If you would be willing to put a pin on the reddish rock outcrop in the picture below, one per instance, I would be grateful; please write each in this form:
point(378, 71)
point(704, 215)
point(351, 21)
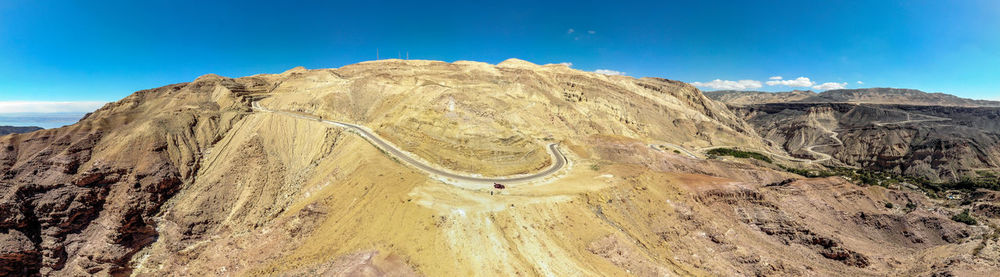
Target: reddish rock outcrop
point(79, 200)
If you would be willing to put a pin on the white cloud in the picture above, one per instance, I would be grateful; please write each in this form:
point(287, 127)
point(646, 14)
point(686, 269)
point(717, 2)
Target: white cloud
point(861, 83)
point(567, 64)
point(830, 85)
point(609, 72)
point(570, 31)
point(49, 107)
point(727, 84)
point(591, 32)
point(775, 78)
point(797, 82)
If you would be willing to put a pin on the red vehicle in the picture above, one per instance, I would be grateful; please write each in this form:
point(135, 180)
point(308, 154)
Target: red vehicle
point(498, 186)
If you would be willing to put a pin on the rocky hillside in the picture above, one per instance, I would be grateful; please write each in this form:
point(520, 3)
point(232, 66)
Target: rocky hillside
point(899, 97)
point(81, 199)
point(860, 96)
point(190, 179)
point(4, 130)
point(939, 143)
point(741, 98)
point(936, 136)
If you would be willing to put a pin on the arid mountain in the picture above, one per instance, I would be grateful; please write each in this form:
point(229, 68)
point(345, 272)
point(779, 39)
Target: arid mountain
point(740, 98)
point(898, 97)
point(891, 96)
point(4, 130)
point(940, 143)
point(265, 175)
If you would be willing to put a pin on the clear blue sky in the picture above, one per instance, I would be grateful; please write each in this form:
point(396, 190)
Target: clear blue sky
point(105, 50)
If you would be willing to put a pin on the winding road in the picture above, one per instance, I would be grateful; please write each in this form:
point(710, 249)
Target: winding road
point(833, 135)
point(811, 148)
point(910, 120)
point(559, 161)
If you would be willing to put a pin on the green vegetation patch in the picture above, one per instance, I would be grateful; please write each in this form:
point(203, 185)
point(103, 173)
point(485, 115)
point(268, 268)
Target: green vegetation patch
point(883, 178)
point(964, 217)
point(739, 154)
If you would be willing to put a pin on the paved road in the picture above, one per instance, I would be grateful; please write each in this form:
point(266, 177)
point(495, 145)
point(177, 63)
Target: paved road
point(559, 160)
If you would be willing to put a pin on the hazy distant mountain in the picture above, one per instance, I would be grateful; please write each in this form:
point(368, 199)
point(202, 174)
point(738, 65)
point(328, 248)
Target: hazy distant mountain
point(4, 130)
point(42, 120)
point(898, 96)
point(866, 96)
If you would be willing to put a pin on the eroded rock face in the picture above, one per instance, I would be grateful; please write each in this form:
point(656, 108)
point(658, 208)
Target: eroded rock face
point(79, 200)
point(940, 143)
point(19, 255)
point(754, 209)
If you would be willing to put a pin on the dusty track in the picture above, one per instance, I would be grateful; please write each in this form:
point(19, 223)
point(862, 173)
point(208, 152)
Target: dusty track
point(559, 161)
point(823, 156)
point(909, 119)
point(833, 135)
point(671, 145)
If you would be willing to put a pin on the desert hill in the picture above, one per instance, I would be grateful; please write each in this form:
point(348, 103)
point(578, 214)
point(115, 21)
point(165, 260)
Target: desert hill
point(253, 176)
point(890, 96)
point(739, 97)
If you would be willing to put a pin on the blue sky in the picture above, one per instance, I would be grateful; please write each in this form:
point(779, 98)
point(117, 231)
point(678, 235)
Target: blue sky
point(105, 50)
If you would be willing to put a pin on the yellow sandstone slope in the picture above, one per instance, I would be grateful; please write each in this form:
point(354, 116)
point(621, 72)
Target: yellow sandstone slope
point(300, 194)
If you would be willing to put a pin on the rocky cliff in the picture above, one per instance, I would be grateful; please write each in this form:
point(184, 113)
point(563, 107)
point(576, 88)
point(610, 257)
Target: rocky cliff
point(940, 143)
point(81, 199)
point(740, 98)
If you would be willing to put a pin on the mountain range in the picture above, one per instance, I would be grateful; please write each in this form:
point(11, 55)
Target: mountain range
point(865, 95)
point(938, 137)
point(17, 129)
point(412, 167)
